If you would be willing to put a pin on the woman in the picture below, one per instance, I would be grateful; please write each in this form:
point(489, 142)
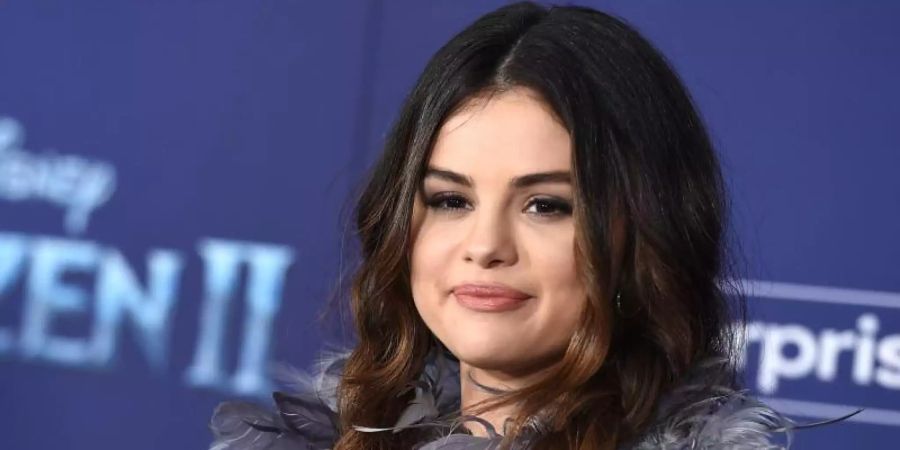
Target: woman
point(542, 249)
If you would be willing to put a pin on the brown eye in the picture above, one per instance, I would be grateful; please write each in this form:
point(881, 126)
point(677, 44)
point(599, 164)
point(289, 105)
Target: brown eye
point(447, 202)
point(546, 206)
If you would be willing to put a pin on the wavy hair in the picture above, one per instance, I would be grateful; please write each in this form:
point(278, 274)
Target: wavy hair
point(650, 210)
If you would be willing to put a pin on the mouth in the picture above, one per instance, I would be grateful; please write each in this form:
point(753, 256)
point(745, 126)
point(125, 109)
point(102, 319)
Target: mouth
point(489, 297)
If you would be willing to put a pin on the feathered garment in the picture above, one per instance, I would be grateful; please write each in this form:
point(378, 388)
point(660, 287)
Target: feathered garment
point(702, 413)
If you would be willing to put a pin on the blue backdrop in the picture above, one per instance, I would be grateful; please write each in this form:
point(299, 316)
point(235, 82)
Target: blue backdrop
point(173, 177)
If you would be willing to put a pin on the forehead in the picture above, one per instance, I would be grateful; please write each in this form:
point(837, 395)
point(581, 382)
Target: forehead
point(509, 132)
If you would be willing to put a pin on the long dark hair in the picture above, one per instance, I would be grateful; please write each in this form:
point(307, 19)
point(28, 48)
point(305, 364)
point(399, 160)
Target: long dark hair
point(650, 224)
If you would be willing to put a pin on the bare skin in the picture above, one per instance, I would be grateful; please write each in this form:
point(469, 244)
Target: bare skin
point(496, 209)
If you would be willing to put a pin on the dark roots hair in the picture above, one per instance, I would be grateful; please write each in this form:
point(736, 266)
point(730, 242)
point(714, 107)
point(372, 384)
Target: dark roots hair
point(650, 211)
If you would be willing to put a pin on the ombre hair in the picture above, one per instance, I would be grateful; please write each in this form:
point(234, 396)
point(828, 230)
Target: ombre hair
point(650, 210)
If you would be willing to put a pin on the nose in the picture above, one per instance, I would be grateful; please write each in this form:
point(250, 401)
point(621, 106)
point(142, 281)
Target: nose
point(491, 240)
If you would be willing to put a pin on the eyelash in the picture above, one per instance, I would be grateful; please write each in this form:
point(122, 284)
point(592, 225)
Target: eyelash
point(437, 202)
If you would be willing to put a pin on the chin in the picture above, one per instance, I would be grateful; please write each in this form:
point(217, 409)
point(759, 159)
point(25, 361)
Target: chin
point(489, 354)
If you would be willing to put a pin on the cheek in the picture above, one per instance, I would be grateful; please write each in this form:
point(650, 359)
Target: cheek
point(430, 253)
point(552, 257)
point(555, 269)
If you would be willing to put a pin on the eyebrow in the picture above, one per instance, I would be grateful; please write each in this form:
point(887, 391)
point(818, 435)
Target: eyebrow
point(519, 182)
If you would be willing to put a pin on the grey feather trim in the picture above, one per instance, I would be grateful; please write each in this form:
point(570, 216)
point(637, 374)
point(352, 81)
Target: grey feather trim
point(704, 412)
point(303, 420)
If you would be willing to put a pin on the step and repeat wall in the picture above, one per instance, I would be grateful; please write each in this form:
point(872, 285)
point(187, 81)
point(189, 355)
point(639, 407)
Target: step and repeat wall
point(176, 180)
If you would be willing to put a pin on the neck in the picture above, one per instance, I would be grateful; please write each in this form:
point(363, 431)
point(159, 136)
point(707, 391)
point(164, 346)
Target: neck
point(471, 394)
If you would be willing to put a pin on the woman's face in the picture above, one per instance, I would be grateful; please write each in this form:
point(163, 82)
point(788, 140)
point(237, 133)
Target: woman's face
point(493, 254)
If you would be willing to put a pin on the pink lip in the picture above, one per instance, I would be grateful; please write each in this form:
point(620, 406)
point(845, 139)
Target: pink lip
point(489, 297)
